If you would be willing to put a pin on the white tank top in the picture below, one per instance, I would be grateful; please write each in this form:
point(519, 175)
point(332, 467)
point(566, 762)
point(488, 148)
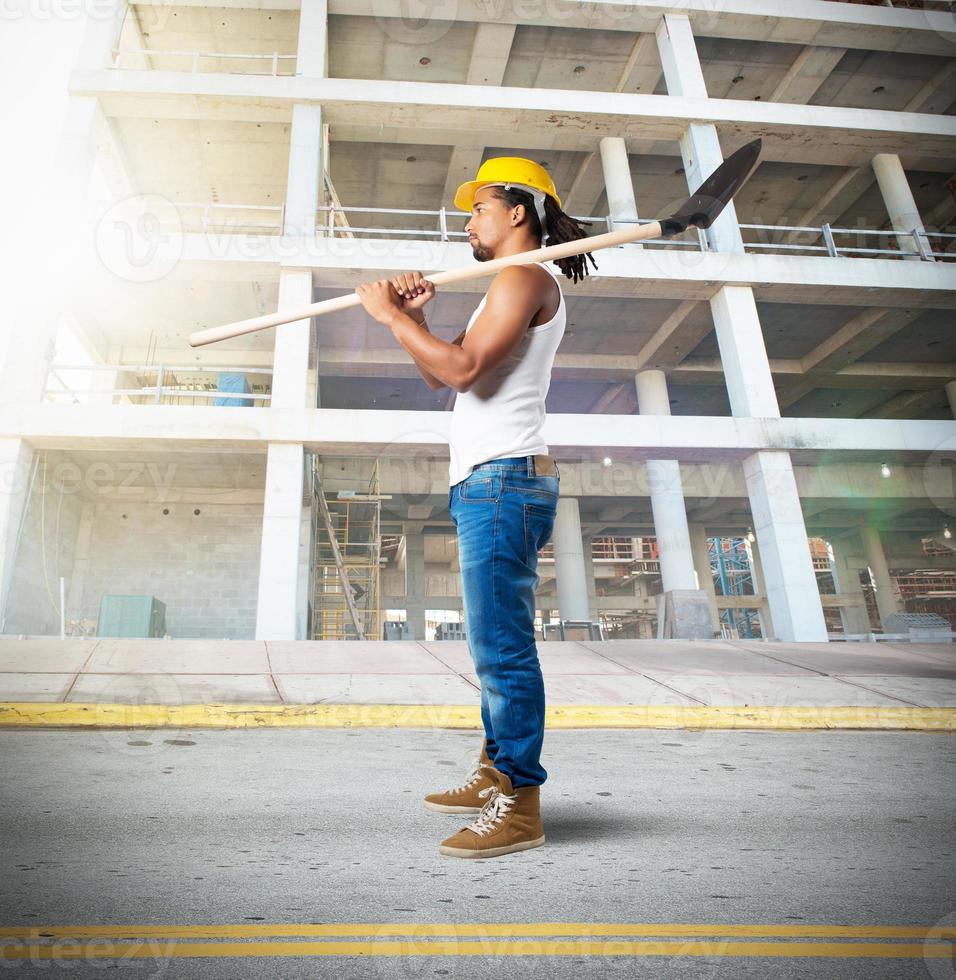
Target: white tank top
point(503, 412)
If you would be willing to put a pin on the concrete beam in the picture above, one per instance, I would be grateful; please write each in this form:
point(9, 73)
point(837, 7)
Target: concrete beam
point(908, 405)
point(489, 59)
point(389, 362)
point(809, 71)
point(609, 396)
point(363, 432)
point(387, 111)
point(937, 94)
point(845, 191)
point(652, 272)
point(651, 355)
point(854, 339)
point(796, 22)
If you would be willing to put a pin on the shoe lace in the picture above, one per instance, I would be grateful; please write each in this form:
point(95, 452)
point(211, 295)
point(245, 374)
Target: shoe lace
point(470, 779)
point(492, 813)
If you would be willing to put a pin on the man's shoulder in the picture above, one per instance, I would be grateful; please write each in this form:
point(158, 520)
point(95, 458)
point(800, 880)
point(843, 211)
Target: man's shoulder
point(529, 276)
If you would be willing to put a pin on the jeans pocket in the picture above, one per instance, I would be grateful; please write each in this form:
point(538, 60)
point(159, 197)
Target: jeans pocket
point(483, 486)
point(538, 525)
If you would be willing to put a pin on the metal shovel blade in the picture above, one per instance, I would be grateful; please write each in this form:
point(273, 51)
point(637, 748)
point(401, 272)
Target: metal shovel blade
point(712, 196)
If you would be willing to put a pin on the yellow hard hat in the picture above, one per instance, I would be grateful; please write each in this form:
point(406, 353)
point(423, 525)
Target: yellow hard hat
point(506, 170)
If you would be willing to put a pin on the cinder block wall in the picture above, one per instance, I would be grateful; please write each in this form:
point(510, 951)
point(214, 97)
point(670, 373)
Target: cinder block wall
point(46, 551)
point(204, 567)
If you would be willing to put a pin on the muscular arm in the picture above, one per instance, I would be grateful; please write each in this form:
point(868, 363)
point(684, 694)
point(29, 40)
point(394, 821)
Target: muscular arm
point(514, 299)
point(430, 379)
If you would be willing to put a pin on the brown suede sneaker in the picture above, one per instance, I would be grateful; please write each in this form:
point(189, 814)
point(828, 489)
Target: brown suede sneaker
point(510, 821)
point(465, 799)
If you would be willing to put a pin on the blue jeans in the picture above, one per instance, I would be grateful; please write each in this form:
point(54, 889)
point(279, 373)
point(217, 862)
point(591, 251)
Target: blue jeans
point(504, 513)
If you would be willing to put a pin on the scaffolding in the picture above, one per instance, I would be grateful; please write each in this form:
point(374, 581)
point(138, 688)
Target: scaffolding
point(731, 567)
point(345, 579)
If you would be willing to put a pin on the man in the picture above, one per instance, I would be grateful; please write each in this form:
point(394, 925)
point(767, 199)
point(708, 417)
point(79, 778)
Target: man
point(504, 486)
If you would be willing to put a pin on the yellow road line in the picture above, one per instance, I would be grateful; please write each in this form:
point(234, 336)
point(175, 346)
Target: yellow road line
point(478, 929)
point(35, 714)
point(518, 947)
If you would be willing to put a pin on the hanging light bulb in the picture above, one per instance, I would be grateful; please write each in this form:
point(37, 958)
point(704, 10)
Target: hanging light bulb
point(947, 533)
point(607, 460)
point(885, 470)
point(750, 535)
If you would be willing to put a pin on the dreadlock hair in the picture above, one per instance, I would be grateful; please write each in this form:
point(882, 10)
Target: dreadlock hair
point(561, 228)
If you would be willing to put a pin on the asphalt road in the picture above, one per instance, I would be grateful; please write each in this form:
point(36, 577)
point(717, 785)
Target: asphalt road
point(679, 853)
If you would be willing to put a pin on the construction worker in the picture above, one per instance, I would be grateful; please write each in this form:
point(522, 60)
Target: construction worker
point(503, 485)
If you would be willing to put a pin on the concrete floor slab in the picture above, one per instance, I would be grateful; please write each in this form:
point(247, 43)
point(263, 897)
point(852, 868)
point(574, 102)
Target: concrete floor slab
point(940, 652)
point(927, 692)
point(25, 686)
point(174, 689)
point(557, 657)
point(740, 690)
point(687, 658)
point(604, 689)
point(454, 653)
point(179, 656)
point(345, 657)
point(46, 654)
point(376, 689)
point(870, 658)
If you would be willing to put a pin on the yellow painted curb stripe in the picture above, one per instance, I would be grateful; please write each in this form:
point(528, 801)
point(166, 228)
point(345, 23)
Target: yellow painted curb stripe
point(789, 717)
point(35, 933)
point(518, 947)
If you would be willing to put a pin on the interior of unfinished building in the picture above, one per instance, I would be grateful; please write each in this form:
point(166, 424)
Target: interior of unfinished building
point(761, 413)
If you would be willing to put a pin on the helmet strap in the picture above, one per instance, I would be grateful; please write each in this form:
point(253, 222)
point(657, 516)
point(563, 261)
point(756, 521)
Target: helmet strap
point(538, 196)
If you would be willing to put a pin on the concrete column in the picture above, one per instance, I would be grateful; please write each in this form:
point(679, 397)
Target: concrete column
point(304, 187)
point(569, 568)
point(743, 353)
point(699, 145)
point(791, 584)
point(760, 588)
point(277, 610)
point(951, 396)
point(898, 198)
point(101, 34)
point(846, 579)
point(16, 461)
point(415, 583)
point(886, 600)
point(290, 370)
point(705, 577)
point(76, 583)
point(313, 45)
point(617, 180)
point(667, 494)
point(304, 573)
point(789, 579)
point(587, 549)
point(33, 303)
point(285, 557)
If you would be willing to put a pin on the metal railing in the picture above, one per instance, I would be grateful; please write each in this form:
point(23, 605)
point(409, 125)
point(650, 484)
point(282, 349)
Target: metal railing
point(434, 225)
point(166, 390)
point(825, 240)
point(941, 5)
point(196, 59)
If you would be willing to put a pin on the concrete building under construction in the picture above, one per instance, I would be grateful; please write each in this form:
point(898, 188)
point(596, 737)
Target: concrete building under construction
point(759, 416)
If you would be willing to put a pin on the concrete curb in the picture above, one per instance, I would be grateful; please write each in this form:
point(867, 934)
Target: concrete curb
point(35, 714)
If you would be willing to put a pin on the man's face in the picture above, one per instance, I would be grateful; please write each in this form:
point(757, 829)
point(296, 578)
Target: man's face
point(490, 223)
